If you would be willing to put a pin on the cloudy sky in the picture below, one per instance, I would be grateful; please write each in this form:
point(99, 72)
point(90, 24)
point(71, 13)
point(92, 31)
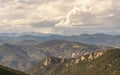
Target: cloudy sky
point(71, 17)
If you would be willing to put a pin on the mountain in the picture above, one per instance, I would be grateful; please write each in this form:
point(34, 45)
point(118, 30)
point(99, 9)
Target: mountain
point(7, 71)
point(96, 63)
point(24, 56)
point(99, 39)
point(15, 57)
point(95, 39)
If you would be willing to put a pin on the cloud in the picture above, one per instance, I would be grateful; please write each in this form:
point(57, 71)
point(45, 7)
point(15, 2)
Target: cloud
point(44, 24)
point(87, 12)
point(77, 16)
point(59, 16)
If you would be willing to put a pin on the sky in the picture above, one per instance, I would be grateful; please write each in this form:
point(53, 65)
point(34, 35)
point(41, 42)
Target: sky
point(65, 17)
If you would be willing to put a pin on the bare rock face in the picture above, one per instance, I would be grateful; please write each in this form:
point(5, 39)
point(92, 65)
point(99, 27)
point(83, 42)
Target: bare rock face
point(95, 55)
point(98, 54)
point(82, 58)
point(77, 61)
point(46, 62)
point(53, 60)
point(88, 57)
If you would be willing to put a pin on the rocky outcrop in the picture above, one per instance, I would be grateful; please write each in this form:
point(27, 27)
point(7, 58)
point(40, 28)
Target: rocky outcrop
point(95, 55)
point(88, 57)
point(96, 63)
point(53, 60)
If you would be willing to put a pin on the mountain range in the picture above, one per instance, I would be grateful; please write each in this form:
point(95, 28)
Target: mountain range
point(96, 63)
point(40, 54)
point(95, 39)
point(24, 56)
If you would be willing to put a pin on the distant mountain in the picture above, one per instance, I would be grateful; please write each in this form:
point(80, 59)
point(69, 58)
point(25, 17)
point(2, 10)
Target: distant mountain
point(28, 42)
point(95, 39)
point(21, 34)
point(96, 63)
point(99, 39)
point(24, 56)
point(7, 71)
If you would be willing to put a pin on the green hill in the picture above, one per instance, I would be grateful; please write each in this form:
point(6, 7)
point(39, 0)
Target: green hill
point(7, 71)
point(97, 63)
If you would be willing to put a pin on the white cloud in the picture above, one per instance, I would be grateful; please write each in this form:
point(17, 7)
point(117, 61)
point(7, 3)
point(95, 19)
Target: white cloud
point(67, 14)
point(87, 11)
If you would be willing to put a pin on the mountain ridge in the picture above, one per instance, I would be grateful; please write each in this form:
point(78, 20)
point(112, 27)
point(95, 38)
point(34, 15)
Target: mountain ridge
point(24, 56)
point(96, 63)
point(95, 39)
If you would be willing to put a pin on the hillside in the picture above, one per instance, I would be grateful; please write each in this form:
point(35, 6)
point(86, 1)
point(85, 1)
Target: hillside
point(63, 49)
point(7, 71)
point(14, 56)
point(96, 63)
point(24, 56)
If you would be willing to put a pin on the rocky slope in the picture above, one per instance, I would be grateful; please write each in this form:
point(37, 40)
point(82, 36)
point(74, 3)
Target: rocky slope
point(63, 49)
point(24, 56)
point(15, 57)
point(96, 63)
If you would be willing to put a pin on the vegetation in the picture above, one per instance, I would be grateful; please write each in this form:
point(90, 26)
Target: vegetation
point(25, 56)
point(7, 71)
point(107, 64)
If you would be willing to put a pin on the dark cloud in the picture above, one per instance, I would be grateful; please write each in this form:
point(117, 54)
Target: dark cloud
point(27, 1)
point(45, 24)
